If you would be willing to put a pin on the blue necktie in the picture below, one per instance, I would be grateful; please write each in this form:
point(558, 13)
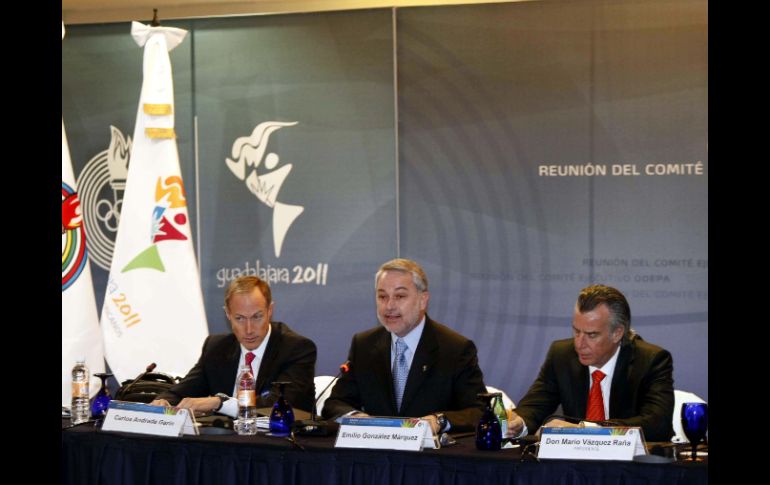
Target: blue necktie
point(400, 371)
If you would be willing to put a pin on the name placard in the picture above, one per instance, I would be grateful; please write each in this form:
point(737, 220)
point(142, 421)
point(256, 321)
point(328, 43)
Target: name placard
point(134, 417)
point(609, 443)
point(383, 433)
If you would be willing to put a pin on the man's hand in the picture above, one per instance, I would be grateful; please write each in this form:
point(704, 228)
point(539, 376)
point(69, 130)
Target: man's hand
point(433, 423)
point(558, 423)
point(160, 402)
point(199, 404)
point(515, 425)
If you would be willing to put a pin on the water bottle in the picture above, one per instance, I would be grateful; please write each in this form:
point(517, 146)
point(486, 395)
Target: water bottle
point(81, 411)
point(502, 414)
point(247, 402)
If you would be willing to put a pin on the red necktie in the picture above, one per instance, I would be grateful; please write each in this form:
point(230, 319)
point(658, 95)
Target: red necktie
point(595, 408)
point(249, 358)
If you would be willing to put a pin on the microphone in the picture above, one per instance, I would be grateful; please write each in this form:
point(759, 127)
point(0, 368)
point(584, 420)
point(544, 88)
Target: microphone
point(123, 391)
point(344, 369)
point(319, 428)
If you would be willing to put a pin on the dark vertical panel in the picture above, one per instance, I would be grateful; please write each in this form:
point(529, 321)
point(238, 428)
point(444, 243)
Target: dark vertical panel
point(487, 93)
point(493, 100)
point(330, 73)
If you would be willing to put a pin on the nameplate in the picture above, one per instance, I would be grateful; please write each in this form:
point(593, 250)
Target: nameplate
point(134, 417)
point(607, 443)
point(383, 433)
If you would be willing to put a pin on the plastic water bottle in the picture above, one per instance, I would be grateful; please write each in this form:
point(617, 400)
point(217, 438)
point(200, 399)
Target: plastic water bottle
point(80, 410)
point(247, 402)
point(501, 413)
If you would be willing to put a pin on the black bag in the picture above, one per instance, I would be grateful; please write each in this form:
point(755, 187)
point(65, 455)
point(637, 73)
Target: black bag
point(147, 388)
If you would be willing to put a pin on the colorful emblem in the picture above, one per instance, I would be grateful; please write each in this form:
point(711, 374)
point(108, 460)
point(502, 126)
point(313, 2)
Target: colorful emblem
point(168, 214)
point(73, 237)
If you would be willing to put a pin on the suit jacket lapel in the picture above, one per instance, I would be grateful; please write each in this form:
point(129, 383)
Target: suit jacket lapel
point(225, 367)
point(269, 360)
point(381, 366)
point(620, 379)
point(579, 376)
point(424, 357)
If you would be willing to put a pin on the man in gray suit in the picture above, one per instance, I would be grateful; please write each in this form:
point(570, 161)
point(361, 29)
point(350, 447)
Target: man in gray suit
point(274, 351)
point(410, 365)
point(605, 373)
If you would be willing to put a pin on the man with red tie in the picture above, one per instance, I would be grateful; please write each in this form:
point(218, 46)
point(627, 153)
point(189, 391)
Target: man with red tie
point(605, 373)
point(273, 350)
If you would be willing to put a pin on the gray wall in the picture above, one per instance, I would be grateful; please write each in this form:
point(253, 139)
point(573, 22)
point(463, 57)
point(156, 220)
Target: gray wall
point(442, 134)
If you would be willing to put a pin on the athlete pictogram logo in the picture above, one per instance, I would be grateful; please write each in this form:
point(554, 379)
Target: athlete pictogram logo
point(248, 153)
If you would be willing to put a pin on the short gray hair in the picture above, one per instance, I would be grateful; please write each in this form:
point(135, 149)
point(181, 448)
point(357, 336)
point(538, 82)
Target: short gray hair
point(406, 266)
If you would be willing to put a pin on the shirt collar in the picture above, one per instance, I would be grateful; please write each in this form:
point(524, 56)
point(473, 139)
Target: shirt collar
point(259, 351)
point(412, 338)
point(608, 368)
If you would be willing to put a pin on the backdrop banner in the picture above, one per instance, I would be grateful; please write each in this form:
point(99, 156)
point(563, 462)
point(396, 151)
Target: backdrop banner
point(519, 151)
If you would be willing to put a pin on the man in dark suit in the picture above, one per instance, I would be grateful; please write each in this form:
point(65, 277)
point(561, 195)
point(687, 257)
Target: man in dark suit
point(635, 384)
point(409, 366)
point(277, 354)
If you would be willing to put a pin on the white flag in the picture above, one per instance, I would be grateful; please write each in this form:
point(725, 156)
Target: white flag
point(153, 306)
point(80, 332)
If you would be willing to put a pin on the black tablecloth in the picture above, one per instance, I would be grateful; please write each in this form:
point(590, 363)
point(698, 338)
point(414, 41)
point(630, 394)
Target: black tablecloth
point(91, 456)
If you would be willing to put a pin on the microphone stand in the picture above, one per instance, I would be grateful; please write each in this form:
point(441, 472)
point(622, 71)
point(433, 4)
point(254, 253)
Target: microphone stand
point(149, 369)
point(311, 427)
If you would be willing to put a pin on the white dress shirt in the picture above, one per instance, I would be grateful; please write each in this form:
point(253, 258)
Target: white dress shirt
point(608, 369)
point(230, 407)
point(412, 339)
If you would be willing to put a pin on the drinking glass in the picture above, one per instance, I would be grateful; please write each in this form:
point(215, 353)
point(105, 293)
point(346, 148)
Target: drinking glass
point(695, 416)
point(282, 415)
point(102, 399)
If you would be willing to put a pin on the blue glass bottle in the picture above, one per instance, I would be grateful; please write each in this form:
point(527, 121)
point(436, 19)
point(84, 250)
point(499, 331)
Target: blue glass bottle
point(282, 415)
point(489, 435)
point(101, 400)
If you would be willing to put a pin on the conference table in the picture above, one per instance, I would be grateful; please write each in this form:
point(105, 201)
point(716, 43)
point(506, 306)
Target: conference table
point(92, 456)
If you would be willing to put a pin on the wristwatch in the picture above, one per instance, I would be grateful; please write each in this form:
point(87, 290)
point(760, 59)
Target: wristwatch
point(222, 398)
point(442, 421)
